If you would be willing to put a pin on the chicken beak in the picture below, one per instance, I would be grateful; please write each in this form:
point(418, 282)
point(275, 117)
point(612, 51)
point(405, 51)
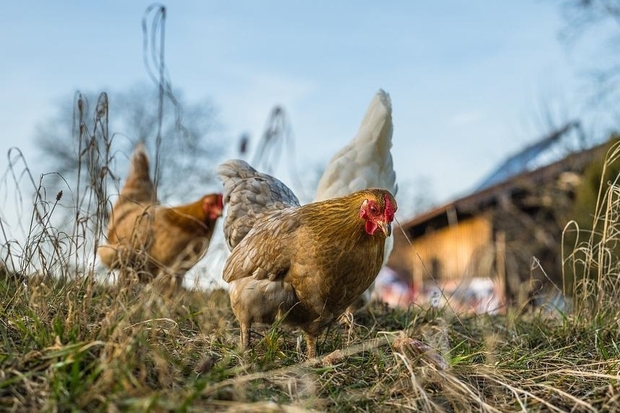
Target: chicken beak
point(386, 227)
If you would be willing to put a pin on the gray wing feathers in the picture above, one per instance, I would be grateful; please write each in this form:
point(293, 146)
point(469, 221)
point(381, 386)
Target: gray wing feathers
point(249, 194)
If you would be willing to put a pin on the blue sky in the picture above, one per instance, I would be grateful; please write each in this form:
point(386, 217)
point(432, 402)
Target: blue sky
point(467, 79)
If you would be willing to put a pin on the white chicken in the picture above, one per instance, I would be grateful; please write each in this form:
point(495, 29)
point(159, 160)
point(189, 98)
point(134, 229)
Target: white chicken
point(366, 162)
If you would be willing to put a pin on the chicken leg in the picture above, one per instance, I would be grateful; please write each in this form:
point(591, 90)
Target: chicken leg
point(311, 345)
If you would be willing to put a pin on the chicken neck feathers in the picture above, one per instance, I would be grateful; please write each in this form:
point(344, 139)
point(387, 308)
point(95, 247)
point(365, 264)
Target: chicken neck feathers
point(192, 217)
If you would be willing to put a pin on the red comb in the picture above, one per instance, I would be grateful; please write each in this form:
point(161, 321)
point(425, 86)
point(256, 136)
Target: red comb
point(390, 209)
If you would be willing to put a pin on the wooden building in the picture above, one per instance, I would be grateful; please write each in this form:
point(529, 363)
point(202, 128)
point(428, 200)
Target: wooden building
point(507, 233)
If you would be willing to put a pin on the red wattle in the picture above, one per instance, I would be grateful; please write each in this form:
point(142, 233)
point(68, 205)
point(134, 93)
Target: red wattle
point(371, 227)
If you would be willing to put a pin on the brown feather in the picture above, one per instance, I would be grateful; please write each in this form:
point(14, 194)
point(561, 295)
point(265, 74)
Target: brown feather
point(152, 239)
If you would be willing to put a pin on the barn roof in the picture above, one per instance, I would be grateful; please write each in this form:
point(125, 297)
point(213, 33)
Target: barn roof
point(550, 148)
point(519, 168)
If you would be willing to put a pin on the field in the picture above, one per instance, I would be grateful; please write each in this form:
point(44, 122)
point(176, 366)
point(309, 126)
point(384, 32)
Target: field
point(71, 342)
point(75, 345)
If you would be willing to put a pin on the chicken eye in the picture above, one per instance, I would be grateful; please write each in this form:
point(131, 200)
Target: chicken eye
point(374, 210)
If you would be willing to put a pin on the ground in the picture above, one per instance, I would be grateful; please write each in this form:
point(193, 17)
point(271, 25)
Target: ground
point(78, 345)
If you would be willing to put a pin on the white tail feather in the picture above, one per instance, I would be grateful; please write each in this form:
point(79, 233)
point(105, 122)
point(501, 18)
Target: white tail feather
point(366, 162)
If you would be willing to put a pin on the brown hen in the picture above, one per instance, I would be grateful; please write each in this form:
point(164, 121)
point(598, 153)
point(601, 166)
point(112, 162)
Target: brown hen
point(305, 263)
point(154, 240)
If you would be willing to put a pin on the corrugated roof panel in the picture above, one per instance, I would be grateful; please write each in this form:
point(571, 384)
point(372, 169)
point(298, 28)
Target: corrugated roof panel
point(544, 152)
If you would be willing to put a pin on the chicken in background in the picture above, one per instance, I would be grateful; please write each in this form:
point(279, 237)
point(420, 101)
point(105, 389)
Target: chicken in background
point(304, 263)
point(366, 162)
point(154, 240)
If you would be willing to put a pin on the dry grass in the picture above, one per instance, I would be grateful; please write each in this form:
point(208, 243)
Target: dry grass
point(80, 345)
point(71, 342)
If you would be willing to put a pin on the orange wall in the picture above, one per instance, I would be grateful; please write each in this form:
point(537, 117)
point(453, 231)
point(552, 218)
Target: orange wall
point(452, 247)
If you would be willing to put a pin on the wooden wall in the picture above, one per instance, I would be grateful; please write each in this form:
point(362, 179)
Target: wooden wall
point(448, 253)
